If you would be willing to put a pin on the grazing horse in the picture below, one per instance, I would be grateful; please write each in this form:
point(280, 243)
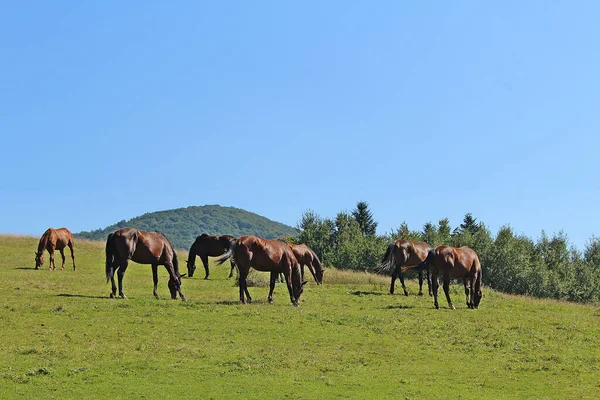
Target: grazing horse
point(54, 239)
point(208, 246)
point(457, 262)
point(403, 255)
point(306, 256)
point(144, 248)
point(272, 256)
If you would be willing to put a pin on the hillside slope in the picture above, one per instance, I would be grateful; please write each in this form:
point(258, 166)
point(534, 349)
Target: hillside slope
point(182, 225)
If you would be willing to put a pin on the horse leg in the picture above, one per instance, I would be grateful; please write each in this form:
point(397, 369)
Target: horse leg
point(242, 282)
point(62, 254)
point(272, 286)
point(394, 277)
point(421, 282)
point(115, 266)
point(288, 280)
point(52, 265)
point(435, 283)
point(401, 277)
point(429, 281)
point(155, 279)
point(232, 267)
point(447, 290)
point(70, 244)
point(120, 275)
point(302, 271)
point(465, 283)
point(204, 259)
point(477, 289)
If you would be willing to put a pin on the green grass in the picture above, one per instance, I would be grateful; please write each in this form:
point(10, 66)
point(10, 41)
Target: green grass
point(62, 337)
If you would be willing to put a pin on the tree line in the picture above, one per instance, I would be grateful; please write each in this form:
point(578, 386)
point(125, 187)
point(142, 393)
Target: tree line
point(546, 267)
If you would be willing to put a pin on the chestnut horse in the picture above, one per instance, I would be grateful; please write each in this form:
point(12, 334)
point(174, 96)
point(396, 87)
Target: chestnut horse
point(54, 239)
point(144, 248)
point(306, 256)
point(208, 246)
point(403, 255)
point(272, 256)
point(457, 262)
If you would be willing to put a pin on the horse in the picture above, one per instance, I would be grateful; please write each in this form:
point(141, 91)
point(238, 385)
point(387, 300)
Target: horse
point(54, 239)
point(403, 255)
point(208, 246)
point(306, 256)
point(144, 248)
point(457, 262)
point(272, 256)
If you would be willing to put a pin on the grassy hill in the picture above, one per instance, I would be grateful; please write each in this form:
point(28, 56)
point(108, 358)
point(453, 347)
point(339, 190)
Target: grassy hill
point(64, 338)
point(182, 225)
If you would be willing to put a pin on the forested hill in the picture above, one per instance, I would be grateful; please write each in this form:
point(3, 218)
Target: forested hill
point(182, 225)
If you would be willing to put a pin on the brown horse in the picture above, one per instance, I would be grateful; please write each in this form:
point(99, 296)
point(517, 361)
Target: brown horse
point(144, 248)
point(306, 256)
point(208, 246)
point(272, 256)
point(54, 239)
point(403, 255)
point(457, 262)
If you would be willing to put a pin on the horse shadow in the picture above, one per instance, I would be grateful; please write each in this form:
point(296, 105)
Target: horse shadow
point(399, 307)
point(83, 296)
point(366, 293)
point(26, 268)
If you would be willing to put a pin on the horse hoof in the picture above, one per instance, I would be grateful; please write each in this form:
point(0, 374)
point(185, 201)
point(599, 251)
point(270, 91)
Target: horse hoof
point(420, 294)
point(123, 296)
point(206, 277)
point(437, 307)
point(270, 301)
point(406, 294)
point(249, 301)
point(452, 307)
point(112, 296)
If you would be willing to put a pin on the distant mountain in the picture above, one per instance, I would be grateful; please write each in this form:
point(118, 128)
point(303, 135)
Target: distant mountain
point(182, 225)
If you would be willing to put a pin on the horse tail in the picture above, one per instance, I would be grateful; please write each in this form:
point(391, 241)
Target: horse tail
point(389, 260)
point(110, 250)
point(228, 253)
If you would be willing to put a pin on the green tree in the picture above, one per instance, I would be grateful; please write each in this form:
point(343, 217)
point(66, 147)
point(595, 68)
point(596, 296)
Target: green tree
point(364, 218)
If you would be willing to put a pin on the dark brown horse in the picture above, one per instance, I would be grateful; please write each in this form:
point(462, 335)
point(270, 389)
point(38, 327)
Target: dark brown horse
point(54, 239)
point(272, 256)
point(208, 246)
point(403, 255)
point(457, 262)
point(306, 256)
point(144, 248)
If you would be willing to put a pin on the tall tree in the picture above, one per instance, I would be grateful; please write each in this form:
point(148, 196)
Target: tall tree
point(364, 217)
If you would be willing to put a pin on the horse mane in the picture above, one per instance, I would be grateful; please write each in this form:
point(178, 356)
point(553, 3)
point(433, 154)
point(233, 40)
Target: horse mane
point(44, 241)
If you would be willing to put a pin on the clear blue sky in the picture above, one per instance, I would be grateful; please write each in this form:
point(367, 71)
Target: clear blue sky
point(425, 110)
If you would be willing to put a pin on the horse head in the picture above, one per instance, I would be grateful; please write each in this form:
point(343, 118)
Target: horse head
point(39, 259)
point(319, 275)
point(191, 267)
point(477, 298)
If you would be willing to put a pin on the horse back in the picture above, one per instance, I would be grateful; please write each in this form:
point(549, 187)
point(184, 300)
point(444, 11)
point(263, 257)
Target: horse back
point(456, 261)
point(263, 254)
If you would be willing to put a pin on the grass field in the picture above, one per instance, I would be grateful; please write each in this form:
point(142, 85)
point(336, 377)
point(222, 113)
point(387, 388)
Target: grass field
point(62, 337)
